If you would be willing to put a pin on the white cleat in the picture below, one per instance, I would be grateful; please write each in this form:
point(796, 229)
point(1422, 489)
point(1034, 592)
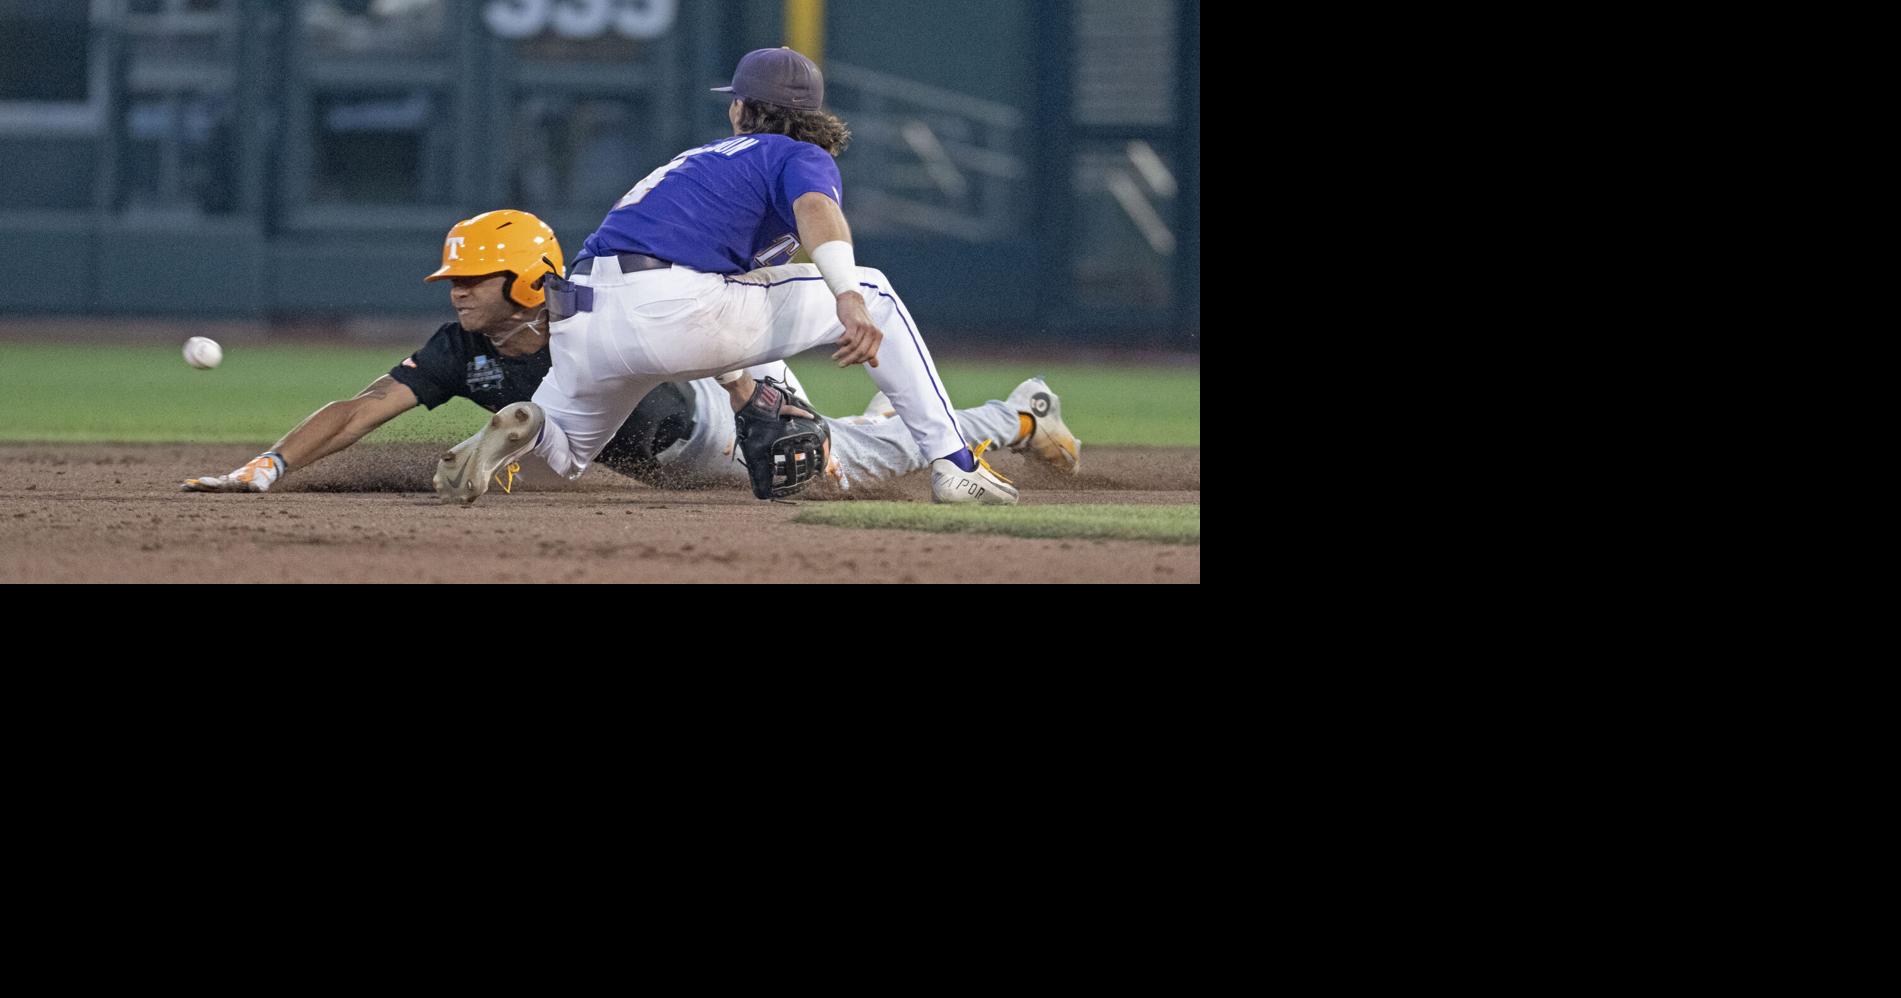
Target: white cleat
point(466, 469)
point(984, 487)
point(1049, 440)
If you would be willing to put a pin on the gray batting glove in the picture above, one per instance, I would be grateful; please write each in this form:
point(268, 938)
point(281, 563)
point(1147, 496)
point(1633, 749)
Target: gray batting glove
point(258, 476)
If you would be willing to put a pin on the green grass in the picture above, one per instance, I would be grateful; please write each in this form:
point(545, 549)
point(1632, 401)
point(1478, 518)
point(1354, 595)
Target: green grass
point(147, 394)
point(1167, 524)
point(1104, 405)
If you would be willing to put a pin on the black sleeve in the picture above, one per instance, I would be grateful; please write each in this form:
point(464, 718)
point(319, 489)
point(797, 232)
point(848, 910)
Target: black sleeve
point(435, 373)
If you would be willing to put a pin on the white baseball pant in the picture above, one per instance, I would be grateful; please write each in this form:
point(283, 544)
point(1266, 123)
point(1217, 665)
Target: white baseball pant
point(678, 324)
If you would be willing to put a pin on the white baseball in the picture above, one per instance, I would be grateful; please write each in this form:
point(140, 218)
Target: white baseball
point(203, 353)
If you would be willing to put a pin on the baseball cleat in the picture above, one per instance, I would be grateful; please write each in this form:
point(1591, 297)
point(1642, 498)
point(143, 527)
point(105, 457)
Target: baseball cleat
point(985, 487)
point(467, 469)
point(880, 407)
point(1048, 439)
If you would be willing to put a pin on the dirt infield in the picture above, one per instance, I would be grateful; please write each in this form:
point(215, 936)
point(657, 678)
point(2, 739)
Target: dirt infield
point(112, 513)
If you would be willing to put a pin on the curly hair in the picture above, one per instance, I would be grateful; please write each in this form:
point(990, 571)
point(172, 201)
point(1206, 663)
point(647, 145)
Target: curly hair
point(821, 128)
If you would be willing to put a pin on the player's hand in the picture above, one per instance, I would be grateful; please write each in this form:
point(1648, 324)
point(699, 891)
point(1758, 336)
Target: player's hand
point(257, 476)
point(859, 345)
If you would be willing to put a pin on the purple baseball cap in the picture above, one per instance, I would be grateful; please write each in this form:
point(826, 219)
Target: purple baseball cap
point(778, 76)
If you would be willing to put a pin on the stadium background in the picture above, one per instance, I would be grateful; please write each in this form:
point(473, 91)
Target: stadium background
point(1027, 172)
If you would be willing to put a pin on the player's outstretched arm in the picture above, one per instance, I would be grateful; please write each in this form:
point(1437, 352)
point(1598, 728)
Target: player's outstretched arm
point(822, 226)
point(321, 434)
point(340, 424)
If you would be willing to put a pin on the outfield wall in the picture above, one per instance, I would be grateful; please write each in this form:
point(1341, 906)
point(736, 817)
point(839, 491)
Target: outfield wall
point(1015, 166)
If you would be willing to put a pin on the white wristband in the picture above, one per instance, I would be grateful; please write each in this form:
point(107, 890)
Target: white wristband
point(835, 261)
point(730, 376)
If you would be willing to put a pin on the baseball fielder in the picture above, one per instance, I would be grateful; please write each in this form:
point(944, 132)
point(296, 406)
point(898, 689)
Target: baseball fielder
point(687, 278)
point(680, 435)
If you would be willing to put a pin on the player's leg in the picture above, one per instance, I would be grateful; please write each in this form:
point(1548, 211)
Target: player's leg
point(671, 325)
point(873, 451)
point(793, 311)
point(640, 329)
point(779, 312)
point(877, 448)
point(577, 429)
point(994, 420)
point(912, 384)
point(586, 397)
point(630, 333)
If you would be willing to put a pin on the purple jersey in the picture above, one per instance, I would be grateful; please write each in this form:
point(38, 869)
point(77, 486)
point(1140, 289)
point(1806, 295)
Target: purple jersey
point(724, 208)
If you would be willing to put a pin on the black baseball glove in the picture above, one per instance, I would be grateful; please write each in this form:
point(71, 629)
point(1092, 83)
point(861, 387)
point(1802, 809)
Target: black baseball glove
point(782, 451)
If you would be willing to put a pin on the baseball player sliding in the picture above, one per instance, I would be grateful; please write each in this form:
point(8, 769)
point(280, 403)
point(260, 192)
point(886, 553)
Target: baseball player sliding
point(687, 278)
point(680, 435)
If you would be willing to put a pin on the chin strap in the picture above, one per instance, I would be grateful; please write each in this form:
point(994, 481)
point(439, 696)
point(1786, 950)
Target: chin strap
point(538, 324)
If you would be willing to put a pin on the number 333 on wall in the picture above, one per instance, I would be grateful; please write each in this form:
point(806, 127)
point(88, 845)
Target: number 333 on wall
point(581, 19)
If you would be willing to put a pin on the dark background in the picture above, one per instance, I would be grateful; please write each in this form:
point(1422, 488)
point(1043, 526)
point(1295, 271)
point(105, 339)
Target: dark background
point(1024, 171)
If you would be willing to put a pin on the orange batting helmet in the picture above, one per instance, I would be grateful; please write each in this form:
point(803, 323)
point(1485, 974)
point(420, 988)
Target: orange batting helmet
point(503, 242)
